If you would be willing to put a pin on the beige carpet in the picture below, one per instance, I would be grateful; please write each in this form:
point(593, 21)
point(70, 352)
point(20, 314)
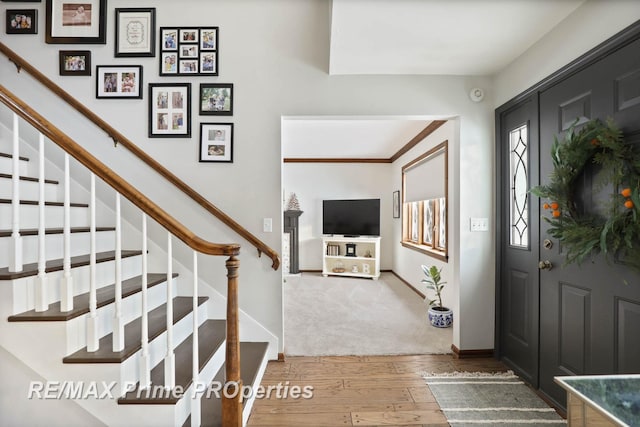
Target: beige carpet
point(339, 316)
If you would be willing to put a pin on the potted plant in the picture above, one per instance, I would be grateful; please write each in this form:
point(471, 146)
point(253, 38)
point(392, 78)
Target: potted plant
point(439, 315)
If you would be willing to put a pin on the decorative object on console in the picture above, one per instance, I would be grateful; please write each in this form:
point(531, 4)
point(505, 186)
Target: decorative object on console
point(293, 204)
point(354, 269)
point(350, 249)
point(71, 23)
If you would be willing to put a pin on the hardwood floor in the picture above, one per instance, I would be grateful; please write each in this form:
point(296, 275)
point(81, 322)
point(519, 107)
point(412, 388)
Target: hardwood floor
point(359, 390)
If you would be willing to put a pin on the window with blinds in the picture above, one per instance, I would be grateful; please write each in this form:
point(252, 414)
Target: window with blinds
point(424, 202)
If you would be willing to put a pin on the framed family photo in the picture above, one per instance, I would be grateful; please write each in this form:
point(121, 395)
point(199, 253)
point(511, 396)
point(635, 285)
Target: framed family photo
point(135, 32)
point(216, 142)
point(76, 21)
point(118, 81)
point(188, 51)
point(22, 21)
point(170, 110)
point(216, 99)
point(75, 62)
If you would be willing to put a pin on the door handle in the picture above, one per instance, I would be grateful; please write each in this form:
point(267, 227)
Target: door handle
point(545, 265)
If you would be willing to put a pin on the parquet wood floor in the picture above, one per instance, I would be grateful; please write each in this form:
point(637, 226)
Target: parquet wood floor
point(359, 390)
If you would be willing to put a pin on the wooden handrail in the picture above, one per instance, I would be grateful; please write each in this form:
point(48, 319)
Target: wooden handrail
point(22, 64)
point(111, 178)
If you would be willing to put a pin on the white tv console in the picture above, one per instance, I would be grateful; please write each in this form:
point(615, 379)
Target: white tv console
point(337, 262)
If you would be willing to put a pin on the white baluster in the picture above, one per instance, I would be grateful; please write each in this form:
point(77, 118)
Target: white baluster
point(145, 364)
point(15, 263)
point(169, 360)
point(42, 303)
point(195, 402)
point(66, 286)
point(118, 324)
point(92, 320)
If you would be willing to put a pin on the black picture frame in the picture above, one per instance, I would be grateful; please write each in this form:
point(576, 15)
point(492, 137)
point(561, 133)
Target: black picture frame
point(75, 23)
point(119, 81)
point(135, 34)
point(21, 21)
point(75, 62)
point(216, 99)
point(189, 51)
point(216, 143)
point(169, 110)
point(396, 204)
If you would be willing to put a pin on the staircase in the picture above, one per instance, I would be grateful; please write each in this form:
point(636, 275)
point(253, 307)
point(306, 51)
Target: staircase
point(88, 302)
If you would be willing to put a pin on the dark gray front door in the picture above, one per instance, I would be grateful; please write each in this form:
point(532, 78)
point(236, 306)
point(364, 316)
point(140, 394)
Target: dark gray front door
point(569, 320)
point(589, 317)
point(519, 290)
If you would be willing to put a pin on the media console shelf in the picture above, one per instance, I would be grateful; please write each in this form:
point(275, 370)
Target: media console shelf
point(337, 258)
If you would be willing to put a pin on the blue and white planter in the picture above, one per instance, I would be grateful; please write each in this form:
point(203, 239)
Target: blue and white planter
point(440, 317)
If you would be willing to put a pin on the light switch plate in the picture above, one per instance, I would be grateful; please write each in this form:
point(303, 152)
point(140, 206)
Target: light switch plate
point(479, 224)
point(267, 225)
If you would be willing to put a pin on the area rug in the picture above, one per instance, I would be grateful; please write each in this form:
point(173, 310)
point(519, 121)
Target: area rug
point(341, 316)
point(479, 398)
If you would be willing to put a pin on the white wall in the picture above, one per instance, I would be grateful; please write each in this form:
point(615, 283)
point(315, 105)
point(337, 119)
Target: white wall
point(276, 53)
point(315, 182)
point(591, 24)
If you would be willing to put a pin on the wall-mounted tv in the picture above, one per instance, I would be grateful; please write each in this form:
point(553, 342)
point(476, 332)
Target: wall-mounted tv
point(356, 217)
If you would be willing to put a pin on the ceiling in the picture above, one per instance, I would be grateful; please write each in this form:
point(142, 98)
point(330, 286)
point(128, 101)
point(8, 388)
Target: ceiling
point(441, 37)
point(445, 37)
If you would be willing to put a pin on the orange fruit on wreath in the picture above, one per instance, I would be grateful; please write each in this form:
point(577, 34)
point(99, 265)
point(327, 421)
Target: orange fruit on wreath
point(628, 204)
point(556, 213)
point(555, 206)
point(546, 206)
point(594, 142)
point(626, 192)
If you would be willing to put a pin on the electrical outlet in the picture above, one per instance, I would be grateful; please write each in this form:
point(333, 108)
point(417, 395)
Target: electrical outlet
point(267, 225)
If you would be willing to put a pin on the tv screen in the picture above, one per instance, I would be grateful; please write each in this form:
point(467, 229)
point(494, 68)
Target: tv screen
point(358, 217)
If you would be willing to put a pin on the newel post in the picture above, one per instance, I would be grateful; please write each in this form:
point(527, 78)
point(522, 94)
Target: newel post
point(232, 398)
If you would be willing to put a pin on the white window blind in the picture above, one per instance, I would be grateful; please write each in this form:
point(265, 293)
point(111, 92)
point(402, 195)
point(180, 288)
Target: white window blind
point(426, 180)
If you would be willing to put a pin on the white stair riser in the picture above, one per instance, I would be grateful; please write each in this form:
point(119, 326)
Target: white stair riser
point(54, 245)
point(130, 370)
point(131, 309)
point(23, 289)
point(54, 216)
point(6, 165)
point(29, 190)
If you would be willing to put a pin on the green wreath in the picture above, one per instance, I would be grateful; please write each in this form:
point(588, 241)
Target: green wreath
point(586, 234)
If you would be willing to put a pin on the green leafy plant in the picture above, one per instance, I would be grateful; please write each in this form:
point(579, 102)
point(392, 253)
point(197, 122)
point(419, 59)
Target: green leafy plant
point(583, 235)
point(433, 281)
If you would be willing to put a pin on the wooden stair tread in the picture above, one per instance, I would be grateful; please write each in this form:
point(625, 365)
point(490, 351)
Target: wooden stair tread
point(34, 231)
point(57, 264)
point(251, 356)
point(211, 335)
point(10, 156)
point(35, 202)
point(104, 295)
point(182, 306)
point(29, 178)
